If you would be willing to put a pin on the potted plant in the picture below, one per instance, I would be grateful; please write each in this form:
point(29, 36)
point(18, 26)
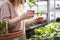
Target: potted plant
point(40, 19)
point(31, 3)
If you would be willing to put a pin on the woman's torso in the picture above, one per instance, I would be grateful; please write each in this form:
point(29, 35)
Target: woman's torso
point(13, 14)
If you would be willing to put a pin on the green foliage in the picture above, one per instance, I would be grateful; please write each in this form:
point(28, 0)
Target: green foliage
point(3, 24)
point(41, 12)
point(32, 24)
point(2, 27)
point(19, 38)
point(49, 32)
point(30, 0)
point(31, 3)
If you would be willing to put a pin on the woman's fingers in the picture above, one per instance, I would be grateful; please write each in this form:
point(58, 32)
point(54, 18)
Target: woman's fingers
point(29, 14)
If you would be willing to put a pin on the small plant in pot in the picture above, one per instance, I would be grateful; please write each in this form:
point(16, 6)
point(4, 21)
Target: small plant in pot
point(31, 3)
point(40, 19)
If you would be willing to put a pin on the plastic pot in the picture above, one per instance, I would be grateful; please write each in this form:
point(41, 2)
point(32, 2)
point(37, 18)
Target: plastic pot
point(31, 13)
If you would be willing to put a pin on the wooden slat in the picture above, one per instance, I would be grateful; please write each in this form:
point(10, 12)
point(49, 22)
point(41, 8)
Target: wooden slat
point(6, 27)
point(11, 35)
point(20, 33)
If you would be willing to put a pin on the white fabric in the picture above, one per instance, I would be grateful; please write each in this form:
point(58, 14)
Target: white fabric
point(19, 12)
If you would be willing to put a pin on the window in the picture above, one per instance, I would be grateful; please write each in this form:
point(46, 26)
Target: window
point(42, 5)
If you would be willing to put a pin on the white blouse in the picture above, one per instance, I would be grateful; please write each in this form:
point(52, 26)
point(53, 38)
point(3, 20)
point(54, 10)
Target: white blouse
point(20, 11)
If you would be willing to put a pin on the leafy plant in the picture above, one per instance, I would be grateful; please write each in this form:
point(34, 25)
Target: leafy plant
point(19, 38)
point(32, 24)
point(32, 3)
point(41, 12)
point(2, 27)
point(49, 32)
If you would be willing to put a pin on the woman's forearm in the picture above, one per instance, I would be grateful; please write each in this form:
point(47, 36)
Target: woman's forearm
point(21, 17)
point(16, 20)
point(30, 21)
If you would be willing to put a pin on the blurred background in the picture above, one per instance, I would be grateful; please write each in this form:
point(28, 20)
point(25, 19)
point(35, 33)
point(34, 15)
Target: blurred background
point(51, 12)
point(52, 7)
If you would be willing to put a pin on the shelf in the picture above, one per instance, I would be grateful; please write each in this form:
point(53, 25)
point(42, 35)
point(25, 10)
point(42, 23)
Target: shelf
point(35, 26)
point(57, 8)
point(42, 13)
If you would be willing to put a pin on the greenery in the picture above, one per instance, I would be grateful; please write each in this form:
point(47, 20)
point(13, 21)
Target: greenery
point(32, 3)
point(41, 12)
point(34, 23)
point(49, 32)
point(19, 38)
point(2, 27)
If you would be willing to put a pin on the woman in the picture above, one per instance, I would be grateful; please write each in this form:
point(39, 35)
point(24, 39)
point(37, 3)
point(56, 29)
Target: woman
point(11, 11)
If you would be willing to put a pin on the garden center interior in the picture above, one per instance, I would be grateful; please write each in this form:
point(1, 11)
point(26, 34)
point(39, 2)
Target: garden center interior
point(48, 25)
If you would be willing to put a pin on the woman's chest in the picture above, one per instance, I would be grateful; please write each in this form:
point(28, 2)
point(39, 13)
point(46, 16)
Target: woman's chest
point(16, 12)
point(13, 13)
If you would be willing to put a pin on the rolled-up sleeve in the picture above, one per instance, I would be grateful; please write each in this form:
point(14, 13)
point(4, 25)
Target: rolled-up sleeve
point(5, 13)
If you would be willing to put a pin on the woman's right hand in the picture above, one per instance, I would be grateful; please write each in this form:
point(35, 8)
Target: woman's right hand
point(28, 14)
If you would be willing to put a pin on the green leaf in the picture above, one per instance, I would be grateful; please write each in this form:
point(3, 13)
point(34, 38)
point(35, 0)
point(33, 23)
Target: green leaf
point(3, 27)
point(41, 12)
point(34, 3)
point(57, 38)
point(19, 38)
point(37, 39)
point(56, 29)
point(3, 24)
point(52, 35)
point(30, 0)
point(31, 3)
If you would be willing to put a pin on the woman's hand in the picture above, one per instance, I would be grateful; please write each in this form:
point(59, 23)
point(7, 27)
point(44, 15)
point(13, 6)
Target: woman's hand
point(23, 16)
point(40, 19)
point(28, 14)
